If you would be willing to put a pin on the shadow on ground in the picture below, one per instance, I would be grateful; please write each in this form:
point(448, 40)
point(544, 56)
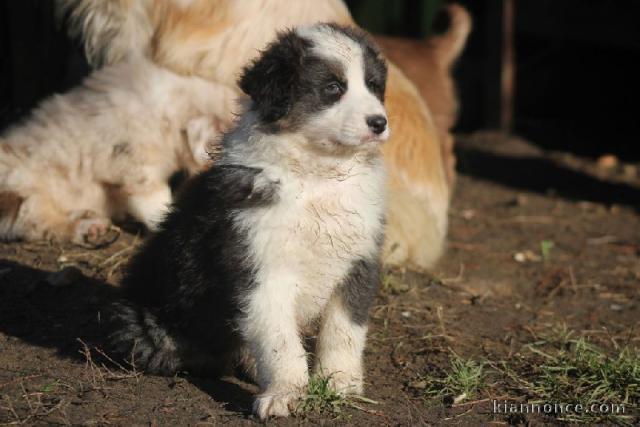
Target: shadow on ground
point(37, 313)
point(52, 316)
point(543, 175)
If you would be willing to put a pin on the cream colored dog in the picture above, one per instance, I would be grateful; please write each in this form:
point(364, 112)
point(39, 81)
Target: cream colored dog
point(215, 38)
point(104, 150)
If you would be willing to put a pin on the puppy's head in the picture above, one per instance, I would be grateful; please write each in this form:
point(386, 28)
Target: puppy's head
point(324, 81)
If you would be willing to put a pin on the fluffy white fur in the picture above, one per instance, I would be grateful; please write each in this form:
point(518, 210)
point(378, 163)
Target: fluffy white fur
point(104, 150)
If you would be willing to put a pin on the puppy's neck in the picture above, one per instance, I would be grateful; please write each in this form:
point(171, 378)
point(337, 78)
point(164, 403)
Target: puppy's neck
point(293, 152)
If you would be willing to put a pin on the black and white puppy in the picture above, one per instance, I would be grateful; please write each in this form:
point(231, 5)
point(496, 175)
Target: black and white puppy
point(285, 230)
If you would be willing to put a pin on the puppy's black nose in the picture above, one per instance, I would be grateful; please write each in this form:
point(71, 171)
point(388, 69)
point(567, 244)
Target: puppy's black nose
point(377, 123)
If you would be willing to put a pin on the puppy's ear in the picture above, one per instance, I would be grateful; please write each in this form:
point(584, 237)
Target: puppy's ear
point(272, 79)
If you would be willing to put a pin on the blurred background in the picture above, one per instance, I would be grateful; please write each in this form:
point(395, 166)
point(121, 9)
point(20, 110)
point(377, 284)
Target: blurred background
point(575, 65)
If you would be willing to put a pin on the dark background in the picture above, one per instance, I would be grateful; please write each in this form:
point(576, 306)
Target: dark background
point(577, 62)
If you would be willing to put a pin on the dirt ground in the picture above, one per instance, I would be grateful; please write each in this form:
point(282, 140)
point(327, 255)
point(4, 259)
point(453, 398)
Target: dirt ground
point(537, 240)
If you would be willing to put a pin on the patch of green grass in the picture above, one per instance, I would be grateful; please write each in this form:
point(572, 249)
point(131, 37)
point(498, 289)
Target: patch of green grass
point(562, 367)
point(392, 284)
point(462, 378)
point(576, 371)
point(47, 388)
point(558, 335)
point(545, 249)
point(321, 398)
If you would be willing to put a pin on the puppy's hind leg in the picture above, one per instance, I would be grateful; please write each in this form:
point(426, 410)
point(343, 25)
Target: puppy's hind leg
point(344, 327)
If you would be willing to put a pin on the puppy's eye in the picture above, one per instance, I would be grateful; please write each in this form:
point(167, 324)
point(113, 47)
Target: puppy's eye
point(333, 89)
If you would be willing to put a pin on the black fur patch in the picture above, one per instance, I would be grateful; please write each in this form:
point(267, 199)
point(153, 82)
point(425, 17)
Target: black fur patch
point(121, 149)
point(314, 94)
point(181, 287)
point(361, 285)
point(360, 288)
point(272, 80)
point(238, 184)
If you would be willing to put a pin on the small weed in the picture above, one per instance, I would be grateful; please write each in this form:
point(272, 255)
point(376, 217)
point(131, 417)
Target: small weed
point(558, 336)
point(545, 249)
point(47, 388)
point(321, 398)
point(463, 378)
point(392, 284)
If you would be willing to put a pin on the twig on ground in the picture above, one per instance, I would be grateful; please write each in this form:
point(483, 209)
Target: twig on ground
point(28, 377)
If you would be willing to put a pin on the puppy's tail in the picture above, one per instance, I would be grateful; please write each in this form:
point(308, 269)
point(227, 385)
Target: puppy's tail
point(449, 46)
point(111, 30)
point(138, 335)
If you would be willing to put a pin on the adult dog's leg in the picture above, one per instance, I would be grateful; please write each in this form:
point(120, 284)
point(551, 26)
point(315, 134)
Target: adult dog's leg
point(39, 217)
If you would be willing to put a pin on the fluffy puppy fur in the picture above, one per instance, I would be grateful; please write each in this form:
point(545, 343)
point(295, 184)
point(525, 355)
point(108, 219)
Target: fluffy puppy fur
point(428, 64)
point(215, 38)
point(104, 150)
point(284, 231)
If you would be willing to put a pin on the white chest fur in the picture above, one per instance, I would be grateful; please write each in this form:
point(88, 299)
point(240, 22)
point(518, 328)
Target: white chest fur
point(307, 241)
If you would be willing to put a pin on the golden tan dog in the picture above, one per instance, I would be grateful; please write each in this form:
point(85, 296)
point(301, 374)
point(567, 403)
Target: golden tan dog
point(428, 65)
point(215, 38)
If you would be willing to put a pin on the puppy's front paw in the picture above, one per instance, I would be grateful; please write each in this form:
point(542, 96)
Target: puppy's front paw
point(346, 383)
point(277, 403)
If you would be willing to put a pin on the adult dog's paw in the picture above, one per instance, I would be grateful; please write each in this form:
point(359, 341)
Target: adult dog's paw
point(92, 231)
